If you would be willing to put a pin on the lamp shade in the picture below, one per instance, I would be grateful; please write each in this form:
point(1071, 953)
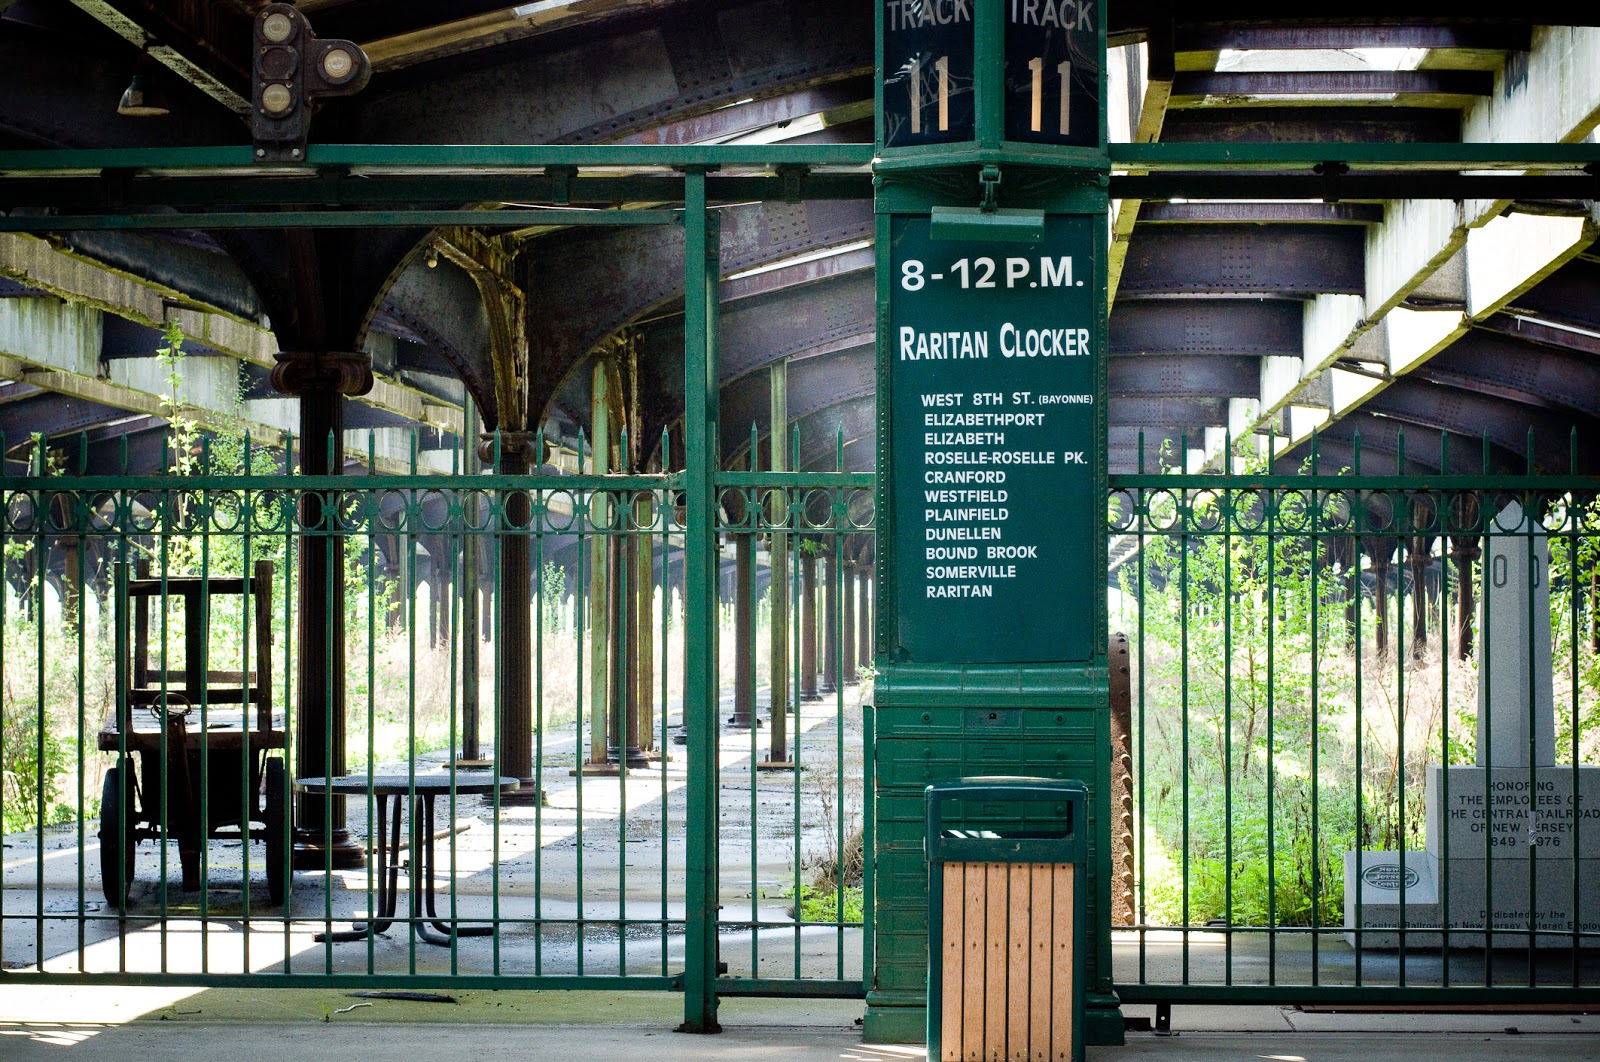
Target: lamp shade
point(143, 98)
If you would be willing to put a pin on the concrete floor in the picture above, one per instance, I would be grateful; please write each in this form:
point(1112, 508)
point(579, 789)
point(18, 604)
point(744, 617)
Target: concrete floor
point(603, 849)
point(179, 1025)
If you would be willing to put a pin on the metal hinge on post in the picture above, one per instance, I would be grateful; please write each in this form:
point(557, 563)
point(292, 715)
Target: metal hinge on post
point(989, 181)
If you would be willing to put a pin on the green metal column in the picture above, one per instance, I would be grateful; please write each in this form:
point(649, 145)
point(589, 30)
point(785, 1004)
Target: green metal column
point(599, 569)
point(471, 602)
point(778, 443)
point(990, 586)
point(701, 260)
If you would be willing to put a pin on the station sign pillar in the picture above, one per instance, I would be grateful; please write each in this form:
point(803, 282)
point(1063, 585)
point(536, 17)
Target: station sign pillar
point(991, 176)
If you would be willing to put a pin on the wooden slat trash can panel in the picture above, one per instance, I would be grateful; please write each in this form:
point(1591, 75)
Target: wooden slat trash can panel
point(1005, 977)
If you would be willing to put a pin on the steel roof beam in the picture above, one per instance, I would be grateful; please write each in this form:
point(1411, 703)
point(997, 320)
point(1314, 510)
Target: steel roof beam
point(1290, 261)
point(1183, 375)
point(688, 61)
point(1259, 327)
point(1439, 408)
point(582, 286)
point(814, 385)
point(51, 414)
point(1211, 89)
point(1516, 371)
point(1290, 36)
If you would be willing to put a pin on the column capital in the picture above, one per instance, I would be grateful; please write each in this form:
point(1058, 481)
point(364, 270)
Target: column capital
point(302, 371)
point(523, 445)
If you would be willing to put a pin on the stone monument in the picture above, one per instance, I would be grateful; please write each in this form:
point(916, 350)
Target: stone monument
point(1513, 842)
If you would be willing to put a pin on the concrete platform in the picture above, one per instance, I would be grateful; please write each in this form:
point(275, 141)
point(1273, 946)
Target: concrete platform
point(179, 1025)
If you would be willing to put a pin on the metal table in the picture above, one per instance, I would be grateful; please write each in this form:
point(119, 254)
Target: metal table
point(396, 787)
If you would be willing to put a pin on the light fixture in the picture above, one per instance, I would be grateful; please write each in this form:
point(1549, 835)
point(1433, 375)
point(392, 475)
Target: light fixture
point(433, 258)
point(143, 98)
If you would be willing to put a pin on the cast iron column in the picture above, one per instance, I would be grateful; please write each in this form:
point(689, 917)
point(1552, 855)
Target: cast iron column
point(847, 626)
point(830, 620)
point(514, 642)
point(864, 622)
point(744, 630)
point(808, 624)
point(321, 380)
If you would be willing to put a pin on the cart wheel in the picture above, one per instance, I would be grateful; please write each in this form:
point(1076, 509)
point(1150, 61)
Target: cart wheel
point(117, 840)
point(276, 817)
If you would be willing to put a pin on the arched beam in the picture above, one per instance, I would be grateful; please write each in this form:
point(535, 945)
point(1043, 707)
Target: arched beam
point(583, 285)
point(690, 59)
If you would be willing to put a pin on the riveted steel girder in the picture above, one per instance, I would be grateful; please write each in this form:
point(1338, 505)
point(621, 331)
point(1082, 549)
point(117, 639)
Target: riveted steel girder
point(209, 277)
point(1331, 125)
point(1381, 440)
point(1244, 326)
point(687, 60)
point(1181, 376)
point(1293, 261)
point(814, 385)
point(1513, 370)
point(1507, 425)
point(856, 421)
point(50, 413)
point(1163, 447)
point(442, 308)
point(730, 121)
point(321, 287)
point(1261, 213)
point(752, 334)
point(583, 285)
point(1381, 85)
point(1196, 412)
point(1296, 37)
point(1570, 295)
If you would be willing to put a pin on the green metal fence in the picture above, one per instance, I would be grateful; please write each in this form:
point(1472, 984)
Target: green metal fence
point(150, 647)
point(1365, 751)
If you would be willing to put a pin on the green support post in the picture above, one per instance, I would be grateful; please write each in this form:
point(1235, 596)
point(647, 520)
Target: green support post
point(701, 258)
point(992, 173)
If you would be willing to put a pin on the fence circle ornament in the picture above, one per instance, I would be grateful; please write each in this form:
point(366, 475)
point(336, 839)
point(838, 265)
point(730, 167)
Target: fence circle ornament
point(103, 509)
point(561, 511)
point(19, 513)
point(1121, 510)
point(1162, 510)
point(1335, 508)
point(476, 510)
point(1380, 511)
point(383, 510)
point(224, 510)
point(1387, 876)
point(1206, 510)
point(818, 509)
point(1292, 511)
point(144, 511)
point(861, 508)
point(434, 510)
point(775, 507)
point(272, 511)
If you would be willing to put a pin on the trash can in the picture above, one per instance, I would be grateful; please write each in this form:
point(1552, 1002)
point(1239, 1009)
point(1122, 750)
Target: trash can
point(1006, 933)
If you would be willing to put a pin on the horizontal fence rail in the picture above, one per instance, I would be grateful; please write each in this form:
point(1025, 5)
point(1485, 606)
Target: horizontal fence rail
point(1364, 755)
point(185, 799)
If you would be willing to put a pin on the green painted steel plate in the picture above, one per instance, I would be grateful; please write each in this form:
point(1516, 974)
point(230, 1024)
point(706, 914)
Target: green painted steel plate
point(992, 349)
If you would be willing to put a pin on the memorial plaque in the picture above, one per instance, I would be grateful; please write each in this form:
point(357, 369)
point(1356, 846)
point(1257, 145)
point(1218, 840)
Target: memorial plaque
point(1510, 812)
point(927, 71)
point(1052, 72)
point(992, 368)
